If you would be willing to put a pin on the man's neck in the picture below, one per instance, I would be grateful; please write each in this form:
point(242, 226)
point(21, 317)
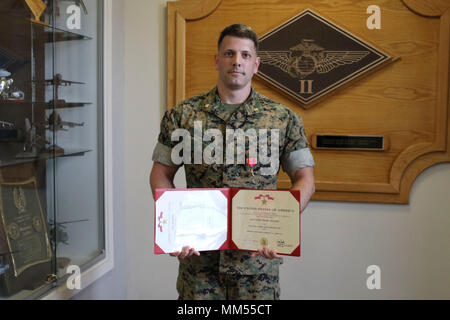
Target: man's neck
point(233, 96)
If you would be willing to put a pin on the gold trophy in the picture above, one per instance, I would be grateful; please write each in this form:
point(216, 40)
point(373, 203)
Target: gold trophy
point(37, 7)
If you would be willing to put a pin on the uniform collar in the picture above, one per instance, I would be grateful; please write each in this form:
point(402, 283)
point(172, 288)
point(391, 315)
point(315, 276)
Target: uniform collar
point(213, 103)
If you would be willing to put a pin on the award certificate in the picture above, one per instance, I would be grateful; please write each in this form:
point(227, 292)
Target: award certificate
point(197, 218)
point(266, 218)
point(220, 219)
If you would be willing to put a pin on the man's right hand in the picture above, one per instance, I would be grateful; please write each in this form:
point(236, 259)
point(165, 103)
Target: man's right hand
point(185, 252)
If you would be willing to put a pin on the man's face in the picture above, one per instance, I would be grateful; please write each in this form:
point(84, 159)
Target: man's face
point(236, 62)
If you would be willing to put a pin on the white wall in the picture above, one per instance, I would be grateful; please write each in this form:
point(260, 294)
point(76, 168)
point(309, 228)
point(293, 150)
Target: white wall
point(410, 243)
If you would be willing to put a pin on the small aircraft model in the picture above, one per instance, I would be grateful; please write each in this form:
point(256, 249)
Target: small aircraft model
point(55, 123)
point(58, 81)
point(6, 125)
point(57, 233)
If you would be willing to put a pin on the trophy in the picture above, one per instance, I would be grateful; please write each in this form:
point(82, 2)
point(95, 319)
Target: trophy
point(7, 92)
point(5, 85)
point(37, 7)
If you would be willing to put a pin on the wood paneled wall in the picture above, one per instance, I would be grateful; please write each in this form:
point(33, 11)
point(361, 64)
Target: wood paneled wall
point(407, 102)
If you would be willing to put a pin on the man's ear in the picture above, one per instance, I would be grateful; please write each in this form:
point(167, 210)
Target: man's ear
point(257, 62)
point(216, 60)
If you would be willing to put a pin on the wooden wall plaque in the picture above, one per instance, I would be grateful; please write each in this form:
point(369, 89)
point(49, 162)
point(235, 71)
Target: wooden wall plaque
point(405, 103)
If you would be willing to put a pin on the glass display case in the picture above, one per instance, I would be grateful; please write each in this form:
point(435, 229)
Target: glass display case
point(51, 143)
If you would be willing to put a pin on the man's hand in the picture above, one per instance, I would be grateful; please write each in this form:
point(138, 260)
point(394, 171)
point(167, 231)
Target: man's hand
point(185, 252)
point(266, 253)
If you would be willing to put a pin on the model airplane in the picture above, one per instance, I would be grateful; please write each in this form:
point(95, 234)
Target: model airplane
point(6, 125)
point(58, 81)
point(57, 232)
point(55, 123)
point(33, 141)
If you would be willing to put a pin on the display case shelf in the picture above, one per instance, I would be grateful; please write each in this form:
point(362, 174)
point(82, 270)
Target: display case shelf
point(44, 104)
point(67, 105)
point(52, 33)
point(62, 35)
point(42, 156)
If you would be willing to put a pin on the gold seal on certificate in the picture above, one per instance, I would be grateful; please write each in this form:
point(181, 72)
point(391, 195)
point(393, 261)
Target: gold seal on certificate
point(220, 219)
point(264, 241)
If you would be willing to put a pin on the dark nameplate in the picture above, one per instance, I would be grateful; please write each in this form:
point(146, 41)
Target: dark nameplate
point(350, 142)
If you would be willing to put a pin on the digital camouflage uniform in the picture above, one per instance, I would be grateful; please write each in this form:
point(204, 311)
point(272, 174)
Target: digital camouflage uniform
point(231, 274)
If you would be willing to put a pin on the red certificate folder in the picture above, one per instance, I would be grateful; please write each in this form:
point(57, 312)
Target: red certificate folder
point(227, 218)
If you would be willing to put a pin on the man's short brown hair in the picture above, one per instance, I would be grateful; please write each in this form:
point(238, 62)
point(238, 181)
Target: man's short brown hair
point(241, 31)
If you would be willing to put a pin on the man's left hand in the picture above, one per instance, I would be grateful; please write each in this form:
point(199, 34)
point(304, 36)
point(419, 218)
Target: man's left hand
point(266, 253)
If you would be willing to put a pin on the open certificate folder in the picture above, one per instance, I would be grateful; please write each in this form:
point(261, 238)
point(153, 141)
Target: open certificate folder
point(220, 219)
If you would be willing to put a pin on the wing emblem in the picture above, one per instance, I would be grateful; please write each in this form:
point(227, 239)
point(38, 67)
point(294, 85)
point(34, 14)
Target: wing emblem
point(307, 58)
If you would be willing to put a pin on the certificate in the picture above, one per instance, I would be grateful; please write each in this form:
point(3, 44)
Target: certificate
point(224, 218)
point(198, 218)
point(266, 218)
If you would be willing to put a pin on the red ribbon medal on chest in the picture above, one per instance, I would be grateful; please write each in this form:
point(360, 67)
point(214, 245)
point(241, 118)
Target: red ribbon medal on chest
point(251, 162)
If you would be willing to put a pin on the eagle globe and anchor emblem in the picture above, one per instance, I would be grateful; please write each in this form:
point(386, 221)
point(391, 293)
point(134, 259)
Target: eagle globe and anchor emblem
point(309, 56)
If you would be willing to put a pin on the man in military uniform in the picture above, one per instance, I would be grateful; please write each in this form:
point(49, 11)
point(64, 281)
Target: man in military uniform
point(232, 105)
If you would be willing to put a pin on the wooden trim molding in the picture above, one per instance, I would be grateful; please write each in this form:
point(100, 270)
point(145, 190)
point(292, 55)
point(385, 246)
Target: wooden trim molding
point(428, 8)
point(432, 151)
point(177, 14)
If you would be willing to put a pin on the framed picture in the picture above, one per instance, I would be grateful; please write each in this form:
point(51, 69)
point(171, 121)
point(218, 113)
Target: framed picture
point(23, 234)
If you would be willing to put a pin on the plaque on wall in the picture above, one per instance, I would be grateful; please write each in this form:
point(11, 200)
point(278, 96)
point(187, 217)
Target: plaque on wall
point(24, 235)
point(309, 56)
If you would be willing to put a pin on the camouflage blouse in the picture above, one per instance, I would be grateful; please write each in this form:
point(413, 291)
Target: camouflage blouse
point(213, 158)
